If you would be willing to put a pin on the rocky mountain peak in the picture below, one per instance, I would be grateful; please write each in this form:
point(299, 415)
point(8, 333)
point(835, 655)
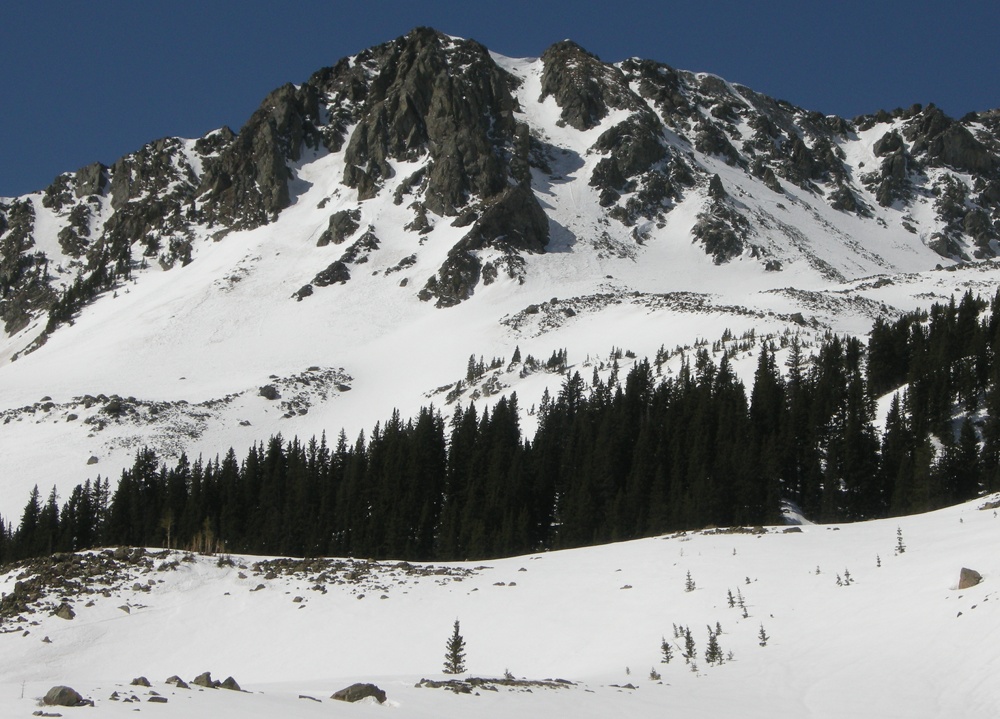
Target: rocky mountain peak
point(583, 86)
point(446, 99)
point(456, 138)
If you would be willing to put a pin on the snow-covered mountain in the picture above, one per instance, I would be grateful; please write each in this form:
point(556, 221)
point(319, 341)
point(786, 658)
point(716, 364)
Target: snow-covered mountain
point(427, 200)
point(852, 627)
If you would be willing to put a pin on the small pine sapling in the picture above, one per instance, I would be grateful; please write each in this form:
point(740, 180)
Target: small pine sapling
point(847, 578)
point(742, 604)
point(730, 599)
point(900, 547)
point(718, 628)
point(689, 649)
point(666, 651)
point(878, 561)
point(689, 583)
point(654, 676)
point(454, 658)
point(762, 636)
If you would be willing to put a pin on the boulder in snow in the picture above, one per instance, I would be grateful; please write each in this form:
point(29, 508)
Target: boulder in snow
point(63, 696)
point(969, 578)
point(359, 691)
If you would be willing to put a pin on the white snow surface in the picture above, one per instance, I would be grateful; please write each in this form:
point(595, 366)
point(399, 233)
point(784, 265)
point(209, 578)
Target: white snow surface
point(899, 641)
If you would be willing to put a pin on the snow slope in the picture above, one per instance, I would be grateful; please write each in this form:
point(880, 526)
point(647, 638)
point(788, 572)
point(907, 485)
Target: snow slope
point(899, 641)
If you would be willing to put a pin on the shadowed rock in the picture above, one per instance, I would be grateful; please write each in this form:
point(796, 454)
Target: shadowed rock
point(969, 578)
point(63, 696)
point(357, 692)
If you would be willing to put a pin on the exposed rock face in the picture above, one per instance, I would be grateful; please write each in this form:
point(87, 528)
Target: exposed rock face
point(633, 147)
point(455, 281)
point(514, 222)
point(342, 225)
point(441, 97)
point(721, 228)
point(90, 180)
point(359, 691)
point(583, 87)
point(336, 272)
point(246, 184)
point(950, 142)
point(969, 578)
point(24, 286)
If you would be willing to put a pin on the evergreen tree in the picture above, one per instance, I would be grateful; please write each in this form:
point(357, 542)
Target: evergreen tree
point(454, 658)
point(26, 538)
point(689, 649)
point(713, 653)
point(666, 651)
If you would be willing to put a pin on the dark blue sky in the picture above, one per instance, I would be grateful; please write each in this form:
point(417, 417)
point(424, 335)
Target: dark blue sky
point(90, 81)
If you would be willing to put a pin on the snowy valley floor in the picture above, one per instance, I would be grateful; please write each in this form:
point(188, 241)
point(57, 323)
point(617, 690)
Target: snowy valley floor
point(899, 640)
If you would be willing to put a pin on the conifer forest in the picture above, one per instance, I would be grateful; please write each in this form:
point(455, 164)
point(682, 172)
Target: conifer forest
point(611, 460)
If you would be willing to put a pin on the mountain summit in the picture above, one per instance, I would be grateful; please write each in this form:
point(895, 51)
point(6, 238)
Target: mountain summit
point(427, 200)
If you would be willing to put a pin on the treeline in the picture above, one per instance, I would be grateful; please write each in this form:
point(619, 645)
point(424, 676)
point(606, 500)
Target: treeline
point(611, 460)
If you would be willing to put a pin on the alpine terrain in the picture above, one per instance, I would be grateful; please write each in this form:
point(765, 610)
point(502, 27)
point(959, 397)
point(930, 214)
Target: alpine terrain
point(439, 304)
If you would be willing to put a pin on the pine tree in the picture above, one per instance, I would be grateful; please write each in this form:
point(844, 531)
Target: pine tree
point(688, 646)
point(666, 650)
point(713, 653)
point(689, 583)
point(762, 636)
point(454, 658)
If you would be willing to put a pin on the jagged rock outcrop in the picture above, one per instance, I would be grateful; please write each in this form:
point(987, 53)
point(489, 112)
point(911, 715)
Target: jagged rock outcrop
point(513, 223)
point(342, 225)
point(632, 147)
point(246, 184)
point(90, 180)
point(583, 87)
point(24, 274)
point(950, 143)
point(444, 98)
point(336, 272)
point(721, 228)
